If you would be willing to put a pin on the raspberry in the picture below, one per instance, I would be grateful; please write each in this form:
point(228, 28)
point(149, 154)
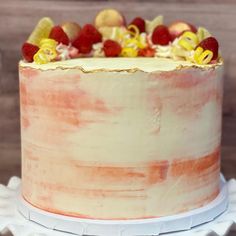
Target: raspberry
point(111, 48)
point(211, 44)
point(83, 43)
point(58, 34)
point(28, 51)
point(146, 52)
point(86, 38)
point(91, 32)
point(193, 28)
point(161, 35)
point(140, 23)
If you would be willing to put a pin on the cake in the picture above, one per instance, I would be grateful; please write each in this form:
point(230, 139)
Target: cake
point(114, 130)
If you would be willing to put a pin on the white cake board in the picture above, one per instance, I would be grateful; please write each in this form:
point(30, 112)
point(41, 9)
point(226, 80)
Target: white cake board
point(155, 226)
point(11, 220)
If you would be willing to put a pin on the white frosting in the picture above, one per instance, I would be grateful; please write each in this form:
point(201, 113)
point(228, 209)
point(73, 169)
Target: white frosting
point(141, 140)
point(110, 64)
point(163, 51)
point(98, 50)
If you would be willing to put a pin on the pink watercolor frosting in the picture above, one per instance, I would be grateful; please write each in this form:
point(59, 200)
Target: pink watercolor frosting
point(120, 144)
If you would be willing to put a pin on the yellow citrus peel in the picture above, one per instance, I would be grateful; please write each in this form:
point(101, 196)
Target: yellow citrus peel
point(142, 42)
point(47, 51)
point(133, 31)
point(135, 43)
point(51, 43)
point(40, 58)
point(202, 56)
point(188, 41)
point(129, 52)
point(132, 41)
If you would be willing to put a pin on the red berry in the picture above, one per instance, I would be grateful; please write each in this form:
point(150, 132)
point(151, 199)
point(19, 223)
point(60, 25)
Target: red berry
point(28, 51)
point(140, 23)
point(211, 44)
point(146, 52)
point(193, 28)
point(161, 35)
point(111, 48)
point(86, 38)
point(83, 43)
point(91, 32)
point(58, 34)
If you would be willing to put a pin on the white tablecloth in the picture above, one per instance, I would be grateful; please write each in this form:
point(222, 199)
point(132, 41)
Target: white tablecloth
point(10, 218)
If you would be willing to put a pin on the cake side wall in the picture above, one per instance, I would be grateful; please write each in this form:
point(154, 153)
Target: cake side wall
point(112, 145)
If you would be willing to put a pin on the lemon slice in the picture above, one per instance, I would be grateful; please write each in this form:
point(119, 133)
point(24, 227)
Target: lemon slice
point(115, 33)
point(42, 30)
point(203, 33)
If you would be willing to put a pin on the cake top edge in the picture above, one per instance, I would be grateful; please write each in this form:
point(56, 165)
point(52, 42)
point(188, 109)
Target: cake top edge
point(118, 64)
point(109, 35)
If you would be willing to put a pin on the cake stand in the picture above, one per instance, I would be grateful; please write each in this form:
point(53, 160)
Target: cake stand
point(23, 219)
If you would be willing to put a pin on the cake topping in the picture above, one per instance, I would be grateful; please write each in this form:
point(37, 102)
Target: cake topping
point(109, 18)
point(188, 40)
point(178, 27)
point(42, 30)
point(161, 35)
point(202, 56)
point(47, 51)
point(88, 36)
point(109, 36)
point(58, 34)
point(140, 23)
point(92, 33)
point(211, 44)
point(71, 29)
point(146, 52)
point(111, 48)
point(28, 51)
point(151, 25)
